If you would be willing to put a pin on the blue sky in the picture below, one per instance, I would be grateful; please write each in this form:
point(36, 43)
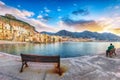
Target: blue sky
point(72, 15)
point(61, 7)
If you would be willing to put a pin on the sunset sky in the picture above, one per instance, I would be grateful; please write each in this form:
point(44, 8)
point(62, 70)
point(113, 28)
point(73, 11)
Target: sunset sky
point(72, 15)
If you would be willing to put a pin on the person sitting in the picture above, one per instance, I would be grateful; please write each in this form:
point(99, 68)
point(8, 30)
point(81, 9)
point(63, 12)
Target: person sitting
point(110, 51)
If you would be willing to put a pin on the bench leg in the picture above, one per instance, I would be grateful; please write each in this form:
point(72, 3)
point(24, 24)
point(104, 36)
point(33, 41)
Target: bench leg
point(58, 66)
point(26, 65)
point(59, 71)
point(21, 70)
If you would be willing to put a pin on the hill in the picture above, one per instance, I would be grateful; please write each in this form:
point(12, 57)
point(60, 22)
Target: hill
point(87, 34)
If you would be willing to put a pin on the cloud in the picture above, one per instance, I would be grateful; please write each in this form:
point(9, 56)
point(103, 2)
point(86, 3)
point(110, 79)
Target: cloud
point(82, 25)
point(4, 9)
point(47, 17)
point(27, 13)
point(116, 30)
point(63, 26)
point(40, 16)
point(103, 24)
point(19, 6)
point(82, 12)
point(111, 24)
point(41, 12)
point(58, 9)
point(40, 26)
point(2, 3)
point(44, 18)
point(75, 4)
point(26, 16)
point(69, 21)
point(60, 17)
point(90, 26)
point(47, 10)
point(116, 7)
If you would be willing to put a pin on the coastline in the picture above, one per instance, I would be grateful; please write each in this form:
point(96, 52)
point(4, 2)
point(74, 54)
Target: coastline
point(94, 67)
point(11, 42)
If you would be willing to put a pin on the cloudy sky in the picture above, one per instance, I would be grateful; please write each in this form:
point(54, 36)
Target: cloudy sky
point(72, 15)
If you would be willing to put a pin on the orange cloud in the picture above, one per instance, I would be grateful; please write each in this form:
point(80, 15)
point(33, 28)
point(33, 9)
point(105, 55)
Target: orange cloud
point(91, 26)
point(116, 30)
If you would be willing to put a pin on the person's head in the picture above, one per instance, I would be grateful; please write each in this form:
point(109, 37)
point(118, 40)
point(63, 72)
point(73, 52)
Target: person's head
point(111, 44)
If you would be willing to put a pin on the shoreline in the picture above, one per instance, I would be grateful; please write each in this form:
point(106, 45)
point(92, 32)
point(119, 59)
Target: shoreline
point(11, 42)
point(7, 41)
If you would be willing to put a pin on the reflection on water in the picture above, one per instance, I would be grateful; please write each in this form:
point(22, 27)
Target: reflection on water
point(65, 49)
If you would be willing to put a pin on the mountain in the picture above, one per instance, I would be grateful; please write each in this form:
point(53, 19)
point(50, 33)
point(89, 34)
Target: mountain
point(87, 34)
point(64, 33)
point(49, 33)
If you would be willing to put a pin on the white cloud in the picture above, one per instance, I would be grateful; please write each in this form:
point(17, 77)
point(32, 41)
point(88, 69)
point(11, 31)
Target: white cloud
point(75, 4)
point(60, 17)
point(41, 11)
point(27, 13)
point(2, 3)
point(26, 16)
point(46, 9)
point(46, 15)
point(39, 26)
point(58, 9)
point(63, 26)
point(4, 9)
point(117, 7)
point(110, 24)
point(19, 6)
point(40, 17)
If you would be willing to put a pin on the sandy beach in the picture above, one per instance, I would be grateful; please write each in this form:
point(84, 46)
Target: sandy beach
point(96, 67)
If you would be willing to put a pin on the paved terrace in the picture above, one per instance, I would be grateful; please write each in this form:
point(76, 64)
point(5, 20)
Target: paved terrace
point(97, 67)
point(10, 66)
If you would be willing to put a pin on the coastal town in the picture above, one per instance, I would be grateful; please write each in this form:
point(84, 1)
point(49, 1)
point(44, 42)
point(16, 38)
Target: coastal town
point(12, 29)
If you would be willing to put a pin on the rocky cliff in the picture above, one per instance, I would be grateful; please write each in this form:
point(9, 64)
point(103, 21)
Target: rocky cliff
point(13, 29)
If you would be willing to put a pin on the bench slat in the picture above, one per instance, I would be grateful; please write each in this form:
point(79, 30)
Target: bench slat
point(37, 58)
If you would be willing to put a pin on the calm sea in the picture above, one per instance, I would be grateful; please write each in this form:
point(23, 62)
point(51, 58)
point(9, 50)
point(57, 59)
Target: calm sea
point(64, 49)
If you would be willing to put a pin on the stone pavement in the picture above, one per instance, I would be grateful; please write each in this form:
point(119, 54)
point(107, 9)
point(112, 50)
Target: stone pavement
point(96, 67)
point(10, 66)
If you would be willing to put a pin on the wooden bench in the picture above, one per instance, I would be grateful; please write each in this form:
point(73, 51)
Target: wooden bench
point(37, 58)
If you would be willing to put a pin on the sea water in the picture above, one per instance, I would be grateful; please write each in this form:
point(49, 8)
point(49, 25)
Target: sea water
point(64, 49)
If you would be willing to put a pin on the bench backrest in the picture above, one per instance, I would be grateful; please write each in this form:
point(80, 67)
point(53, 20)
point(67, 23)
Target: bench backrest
point(38, 58)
